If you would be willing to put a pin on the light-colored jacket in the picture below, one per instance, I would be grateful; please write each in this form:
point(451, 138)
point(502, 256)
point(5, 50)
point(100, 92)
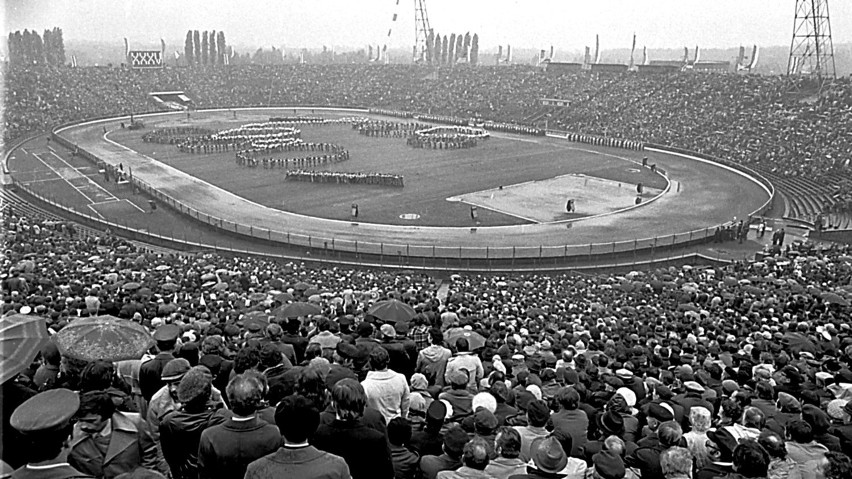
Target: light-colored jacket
point(388, 392)
point(470, 364)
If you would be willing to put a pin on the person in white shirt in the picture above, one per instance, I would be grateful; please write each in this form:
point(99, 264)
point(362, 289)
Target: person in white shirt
point(387, 391)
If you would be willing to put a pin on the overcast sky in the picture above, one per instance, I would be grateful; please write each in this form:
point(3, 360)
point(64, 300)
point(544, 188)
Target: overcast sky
point(567, 24)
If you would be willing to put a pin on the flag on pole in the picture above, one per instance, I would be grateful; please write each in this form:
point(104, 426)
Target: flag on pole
point(645, 60)
point(597, 49)
point(632, 50)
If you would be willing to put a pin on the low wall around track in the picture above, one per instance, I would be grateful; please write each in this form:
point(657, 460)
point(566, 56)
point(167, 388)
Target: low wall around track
point(443, 256)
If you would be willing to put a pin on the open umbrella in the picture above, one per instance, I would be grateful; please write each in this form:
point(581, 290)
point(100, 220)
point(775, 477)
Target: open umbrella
point(170, 287)
point(131, 286)
point(834, 298)
point(21, 338)
point(257, 296)
point(392, 311)
point(296, 310)
point(103, 337)
point(282, 297)
point(474, 340)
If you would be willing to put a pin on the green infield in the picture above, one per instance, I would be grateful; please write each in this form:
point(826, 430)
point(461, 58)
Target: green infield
point(432, 177)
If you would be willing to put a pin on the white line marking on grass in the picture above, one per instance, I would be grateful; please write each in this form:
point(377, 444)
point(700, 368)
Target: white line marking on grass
point(25, 150)
point(96, 211)
point(134, 205)
point(85, 176)
point(66, 180)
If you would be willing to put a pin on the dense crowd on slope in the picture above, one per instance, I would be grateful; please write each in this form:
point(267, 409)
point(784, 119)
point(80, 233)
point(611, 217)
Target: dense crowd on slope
point(750, 119)
point(742, 371)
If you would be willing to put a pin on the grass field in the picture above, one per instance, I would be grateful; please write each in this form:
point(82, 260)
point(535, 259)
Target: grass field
point(431, 176)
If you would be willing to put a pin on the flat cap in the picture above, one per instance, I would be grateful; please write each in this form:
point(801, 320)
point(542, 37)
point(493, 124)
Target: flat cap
point(45, 411)
point(168, 332)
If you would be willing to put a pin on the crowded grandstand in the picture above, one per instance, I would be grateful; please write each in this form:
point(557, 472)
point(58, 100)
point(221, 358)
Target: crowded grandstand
point(136, 361)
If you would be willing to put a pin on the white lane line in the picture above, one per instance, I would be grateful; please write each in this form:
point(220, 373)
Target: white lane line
point(25, 150)
point(66, 180)
point(134, 205)
point(96, 211)
point(92, 182)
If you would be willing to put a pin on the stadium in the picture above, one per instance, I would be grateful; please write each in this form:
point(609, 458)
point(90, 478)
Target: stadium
point(424, 269)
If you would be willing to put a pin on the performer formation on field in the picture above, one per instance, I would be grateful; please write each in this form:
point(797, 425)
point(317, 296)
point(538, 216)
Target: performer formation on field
point(346, 178)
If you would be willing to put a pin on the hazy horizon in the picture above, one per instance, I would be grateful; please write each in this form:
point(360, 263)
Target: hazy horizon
point(568, 26)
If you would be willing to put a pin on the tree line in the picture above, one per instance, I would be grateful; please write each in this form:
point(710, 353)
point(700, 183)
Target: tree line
point(206, 48)
point(30, 48)
point(451, 49)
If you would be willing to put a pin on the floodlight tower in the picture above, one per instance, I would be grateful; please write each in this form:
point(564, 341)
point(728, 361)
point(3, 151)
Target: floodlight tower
point(811, 51)
point(421, 29)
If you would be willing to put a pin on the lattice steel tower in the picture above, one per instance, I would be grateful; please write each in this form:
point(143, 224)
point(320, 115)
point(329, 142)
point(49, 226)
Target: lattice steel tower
point(421, 30)
point(811, 51)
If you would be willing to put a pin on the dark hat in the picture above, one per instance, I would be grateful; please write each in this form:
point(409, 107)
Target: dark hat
point(196, 382)
point(458, 377)
point(255, 324)
point(46, 411)
point(500, 391)
point(724, 440)
point(454, 440)
point(548, 455)
point(608, 465)
point(611, 422)
point(436, 412)
point(538, 412)
point(401, 328)
point(175, 369)
point(166, 333)
point(364, 329)
point(693, 386)
point(484, 422)
point(523, 399)
point(659, 413)
point(350, 351)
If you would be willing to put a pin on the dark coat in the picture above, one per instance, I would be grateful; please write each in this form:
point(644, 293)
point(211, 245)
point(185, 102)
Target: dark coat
point(573, 423)
point(302, 463)
point(430, 466)
point(364, 449)
point(130, 446)
point(427, 442)
point(180, 435)
point(844, 433)
point(227, 449)
point(62, 472)
point(149, 374)
point(406, 464)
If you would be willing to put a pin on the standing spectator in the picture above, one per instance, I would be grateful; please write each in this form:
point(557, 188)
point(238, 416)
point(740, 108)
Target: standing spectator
point(325, 338)
point(538, 414)
point(840, 411)
point(180, 430)
point(676, 463)
point(607, 465)
point(720, 447)
point(431, 360)
point(165, 401)
point(570, 420)
point(386, 390)
point(428, 440)
point(696, 439)
point(454, 442)
point(405, 462)
point(475, 460)
point(502, 394)
point(750, 460)
point(508, 461)
point(227, 449)
point(105, 442)
point(458, 396)
point(839, 466)
point(150, 372)
point(420, 332)
point(780, 466)
point(464, 360)
point(297, 420)
point(802, 448)
point(647, 458)
point(44, 422)
point(294, 338)
point(364, 449)
point(47, 372)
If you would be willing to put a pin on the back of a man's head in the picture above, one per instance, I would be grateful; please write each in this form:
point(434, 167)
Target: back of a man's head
point(669, 433)
point(773, 444)
point(379, 359)
point(508, 442)
point(754, 418)
point(476, 454)
point(296, 418)
point(568, 398)
point(799, 431)
point(349, 399)
point(751, 460)
point(245, 393)
point(676, 462)
point(399, 431)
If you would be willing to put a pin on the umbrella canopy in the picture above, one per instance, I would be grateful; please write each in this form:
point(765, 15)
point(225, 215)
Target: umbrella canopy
point(475, 340)
point(170, 287)
point(392, 311)
point(132, 286)
point(297, 309)
point(834, 298)
point(282, 297)
point(21, 338)
point(103, 337)
point(257, 296)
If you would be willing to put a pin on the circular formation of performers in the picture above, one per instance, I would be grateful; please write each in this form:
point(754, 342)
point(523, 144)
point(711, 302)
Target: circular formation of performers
point(447, 137)
point(341, 177)
point(175, 135)
point(244, 158)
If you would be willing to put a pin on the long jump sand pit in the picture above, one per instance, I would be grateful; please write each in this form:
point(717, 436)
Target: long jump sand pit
point(544, 201)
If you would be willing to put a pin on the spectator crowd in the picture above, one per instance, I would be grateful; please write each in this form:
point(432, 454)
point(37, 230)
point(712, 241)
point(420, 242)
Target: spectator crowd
point(736, 372)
